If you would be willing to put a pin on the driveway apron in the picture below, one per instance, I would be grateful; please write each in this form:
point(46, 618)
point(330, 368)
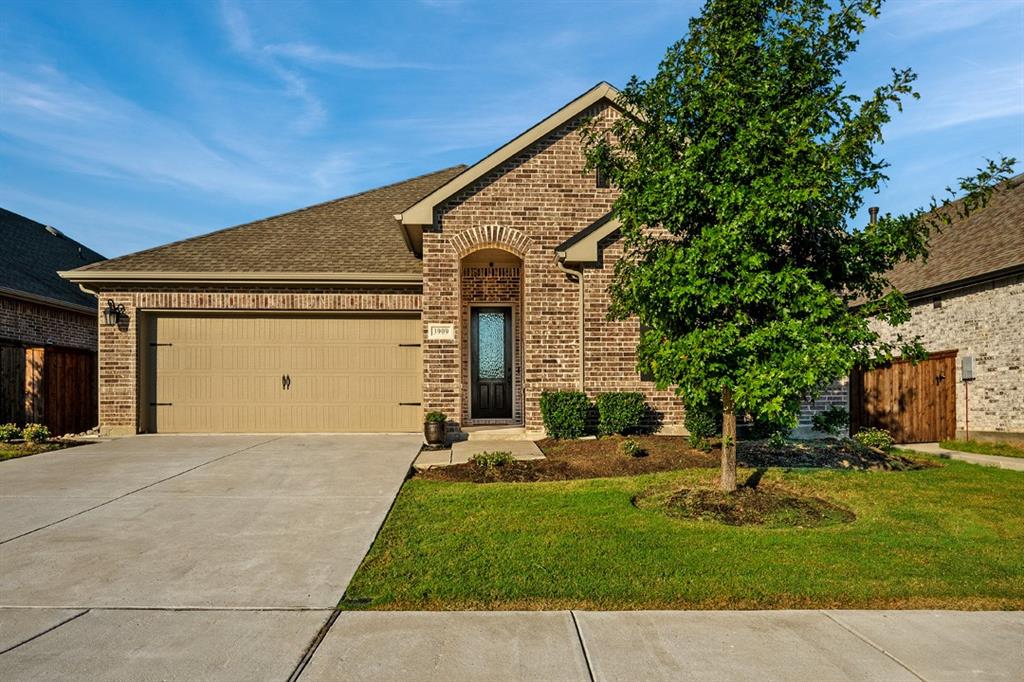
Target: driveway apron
point(199, 556)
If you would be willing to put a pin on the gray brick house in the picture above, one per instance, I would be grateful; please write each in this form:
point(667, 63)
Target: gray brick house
point(968, 299)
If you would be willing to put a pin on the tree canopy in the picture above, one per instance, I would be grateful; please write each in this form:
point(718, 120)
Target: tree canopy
point(741, 165)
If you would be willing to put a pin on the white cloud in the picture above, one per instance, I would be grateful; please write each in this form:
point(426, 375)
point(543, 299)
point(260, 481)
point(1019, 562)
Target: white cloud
point(910, 20)
point(963, 98)
point(92, 131)
point(306, 52)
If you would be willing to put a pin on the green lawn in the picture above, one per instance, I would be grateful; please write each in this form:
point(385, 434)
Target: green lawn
point(984, 448)
point(947, 537)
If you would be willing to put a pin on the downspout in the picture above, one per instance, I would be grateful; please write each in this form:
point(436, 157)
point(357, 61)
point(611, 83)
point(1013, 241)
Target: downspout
point(576, 275)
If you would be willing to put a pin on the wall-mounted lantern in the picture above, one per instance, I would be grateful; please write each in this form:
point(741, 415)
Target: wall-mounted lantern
point(113, 314)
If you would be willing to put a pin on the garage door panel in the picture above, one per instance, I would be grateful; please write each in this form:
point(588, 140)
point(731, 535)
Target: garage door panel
point(224, 374)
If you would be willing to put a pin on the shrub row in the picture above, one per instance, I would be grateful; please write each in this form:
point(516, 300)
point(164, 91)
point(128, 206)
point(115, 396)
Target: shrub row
point(33, 433)
point(565, 413)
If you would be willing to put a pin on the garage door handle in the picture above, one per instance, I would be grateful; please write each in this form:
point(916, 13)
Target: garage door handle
point(410, 403)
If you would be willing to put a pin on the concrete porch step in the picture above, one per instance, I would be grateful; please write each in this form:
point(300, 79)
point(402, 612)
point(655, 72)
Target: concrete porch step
point(500, 432)
point(462, 451)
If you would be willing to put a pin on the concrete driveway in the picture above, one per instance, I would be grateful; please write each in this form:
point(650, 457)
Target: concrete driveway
point(185, 556)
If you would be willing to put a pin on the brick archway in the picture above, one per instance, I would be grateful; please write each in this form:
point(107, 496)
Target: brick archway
point(491, 237)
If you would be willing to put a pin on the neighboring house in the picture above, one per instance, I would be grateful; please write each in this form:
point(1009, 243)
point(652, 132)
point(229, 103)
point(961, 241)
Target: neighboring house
point(967, 302)
point(470, 290)
point(48, 328)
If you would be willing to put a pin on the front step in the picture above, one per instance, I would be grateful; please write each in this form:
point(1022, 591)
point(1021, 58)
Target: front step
point(498, 433)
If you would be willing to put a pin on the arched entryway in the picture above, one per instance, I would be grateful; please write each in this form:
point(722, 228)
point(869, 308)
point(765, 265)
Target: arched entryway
point(491, 285)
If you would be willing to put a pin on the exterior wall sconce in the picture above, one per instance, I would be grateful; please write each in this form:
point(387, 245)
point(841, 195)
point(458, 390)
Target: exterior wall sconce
point(113, 314)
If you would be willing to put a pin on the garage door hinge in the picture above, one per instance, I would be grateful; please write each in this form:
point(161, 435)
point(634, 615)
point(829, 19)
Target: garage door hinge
point(410, 403)
point(161, 344)
point(409, 345)
point(160, 404)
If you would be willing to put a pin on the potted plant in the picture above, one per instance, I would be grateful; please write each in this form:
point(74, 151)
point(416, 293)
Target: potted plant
point(434, 428)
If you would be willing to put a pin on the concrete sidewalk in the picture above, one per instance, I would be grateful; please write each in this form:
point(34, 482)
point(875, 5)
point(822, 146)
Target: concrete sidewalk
point(1013, 463)
point(672, 645)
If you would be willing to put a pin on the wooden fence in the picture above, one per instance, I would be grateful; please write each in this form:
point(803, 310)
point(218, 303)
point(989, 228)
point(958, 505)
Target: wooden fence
point(52, 386)
point(915, 403)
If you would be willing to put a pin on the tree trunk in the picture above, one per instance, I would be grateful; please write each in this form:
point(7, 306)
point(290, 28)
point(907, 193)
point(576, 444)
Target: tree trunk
point(728, 478)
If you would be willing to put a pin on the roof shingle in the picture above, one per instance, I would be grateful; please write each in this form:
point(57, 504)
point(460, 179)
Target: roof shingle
point(357, 233)
point(990, 240)
point(32, 255)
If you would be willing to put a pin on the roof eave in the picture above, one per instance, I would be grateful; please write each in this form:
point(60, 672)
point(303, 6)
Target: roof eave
point(277, 278)
point(582, 246)
point(422, 212)
point(47, 301)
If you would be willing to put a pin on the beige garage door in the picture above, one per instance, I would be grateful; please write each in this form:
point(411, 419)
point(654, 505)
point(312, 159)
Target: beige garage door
point(240, 374)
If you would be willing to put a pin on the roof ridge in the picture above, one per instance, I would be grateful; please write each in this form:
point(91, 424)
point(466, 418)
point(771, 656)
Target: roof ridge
point(276, 215)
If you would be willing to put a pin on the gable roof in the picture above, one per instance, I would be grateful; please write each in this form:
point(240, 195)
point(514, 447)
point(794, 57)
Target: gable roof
point(354, 238)
point(989, 243)
point(422, 212)
point(32, 254)
point(582, 246)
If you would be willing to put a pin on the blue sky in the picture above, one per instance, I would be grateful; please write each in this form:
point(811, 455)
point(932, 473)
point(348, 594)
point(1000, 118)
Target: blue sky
point(129, 125)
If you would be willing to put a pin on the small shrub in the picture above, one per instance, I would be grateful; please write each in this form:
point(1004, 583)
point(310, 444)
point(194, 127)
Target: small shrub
point(35, 433)
point(703, 422)
point(620, 412)
point(436, 417)
point(777, 439)
point(492, 460)
point(631, 448)
point(564, 413)
point(9, 432)
point(875, 438)
point(832, 421)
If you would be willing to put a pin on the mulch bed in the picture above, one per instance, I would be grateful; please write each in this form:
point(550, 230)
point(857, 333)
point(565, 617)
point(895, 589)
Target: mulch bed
point(766, 506)
point(577, 459)
point(824, 454)
point(573, 459)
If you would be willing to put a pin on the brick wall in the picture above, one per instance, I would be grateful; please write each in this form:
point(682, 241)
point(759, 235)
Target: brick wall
point(985, 321)
point(42, 325)
point(528, 205)
point(118, 360)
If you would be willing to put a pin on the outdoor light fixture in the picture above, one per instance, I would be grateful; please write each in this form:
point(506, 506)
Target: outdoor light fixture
point(113, 313)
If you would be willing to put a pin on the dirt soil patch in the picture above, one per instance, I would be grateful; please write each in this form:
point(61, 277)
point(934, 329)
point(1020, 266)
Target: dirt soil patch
point(573, 459)
point(766, 506)
point(825, 453)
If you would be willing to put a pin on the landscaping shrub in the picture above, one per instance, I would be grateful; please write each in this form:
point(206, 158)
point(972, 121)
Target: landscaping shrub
point(491, 460)
point(631, 448)
point(703, 422)
point(9, 432)
point(436, 417)
point(620, 412)
point(564, 413)
point(875, 438)
point(35, 433)
point(832, 421)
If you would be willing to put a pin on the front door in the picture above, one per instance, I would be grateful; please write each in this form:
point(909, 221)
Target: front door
point(491, 363)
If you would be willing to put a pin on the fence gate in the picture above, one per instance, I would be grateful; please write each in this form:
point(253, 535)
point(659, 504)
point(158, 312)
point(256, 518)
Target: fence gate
point(915, 403)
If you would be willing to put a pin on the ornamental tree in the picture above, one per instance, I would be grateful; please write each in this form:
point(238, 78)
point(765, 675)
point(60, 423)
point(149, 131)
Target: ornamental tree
point(741, 165)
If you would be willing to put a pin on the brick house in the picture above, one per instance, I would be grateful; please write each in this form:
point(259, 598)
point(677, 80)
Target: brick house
point(470, 290)
point(967, 301)
point(48, 328)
